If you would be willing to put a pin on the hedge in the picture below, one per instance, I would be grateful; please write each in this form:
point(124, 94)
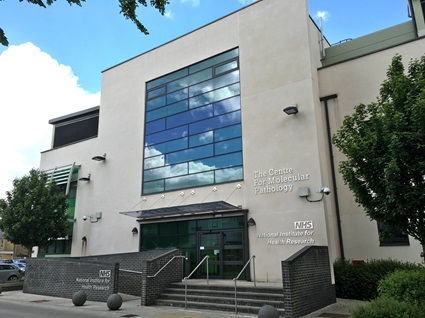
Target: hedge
point(360, 281)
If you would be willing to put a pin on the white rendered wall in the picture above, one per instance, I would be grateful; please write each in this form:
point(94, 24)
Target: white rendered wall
point(358, 81)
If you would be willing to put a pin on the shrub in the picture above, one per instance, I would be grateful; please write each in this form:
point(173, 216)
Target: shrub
point(360, 281)
point(388, 308)
point(408, 286)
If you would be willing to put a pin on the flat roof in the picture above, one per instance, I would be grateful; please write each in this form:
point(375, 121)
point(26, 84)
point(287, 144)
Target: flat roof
point(75, 115)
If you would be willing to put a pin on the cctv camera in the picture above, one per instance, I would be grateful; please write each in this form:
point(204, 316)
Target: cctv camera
point(326, 190)
point(85, 218)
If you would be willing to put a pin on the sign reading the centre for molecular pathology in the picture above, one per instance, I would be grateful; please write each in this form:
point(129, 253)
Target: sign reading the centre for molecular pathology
point(302, 234)
point(277, 180)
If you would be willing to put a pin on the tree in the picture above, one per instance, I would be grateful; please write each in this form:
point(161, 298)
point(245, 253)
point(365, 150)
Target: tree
point(128, 9)
point(34, 212)
point(384, 145)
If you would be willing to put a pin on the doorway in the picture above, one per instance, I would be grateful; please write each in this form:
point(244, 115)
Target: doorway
point(226, 253)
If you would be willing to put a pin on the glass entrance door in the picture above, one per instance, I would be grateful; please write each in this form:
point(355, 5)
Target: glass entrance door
point(225, 251)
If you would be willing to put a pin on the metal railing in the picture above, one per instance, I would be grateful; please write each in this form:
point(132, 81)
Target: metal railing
point(165, 265)
point(186, 278)
point(130, 271)
point(237, 277)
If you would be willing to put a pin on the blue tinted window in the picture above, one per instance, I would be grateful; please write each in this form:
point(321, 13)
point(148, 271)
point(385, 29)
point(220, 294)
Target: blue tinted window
point(214, 96)
point(227, 146)
point(177, 96)
point(201, 139)
point(166, 135)
point(229, 174)
point(155, 103)
point(193, 126)
point(206, 164)
point(214, 60)
point(189, 154)
point(226, 67)
point(193, 180)
point(155, 126)
point(165, 172)
point(154, 162)
point(228, 133)
point(166, 147)
point(214, 83)
point(227, 105)
point(166, 111)
point(190, 116)
point(153, 187)
point(167, 78)
point(230, 160)
point(215, 122)
point(156, 92)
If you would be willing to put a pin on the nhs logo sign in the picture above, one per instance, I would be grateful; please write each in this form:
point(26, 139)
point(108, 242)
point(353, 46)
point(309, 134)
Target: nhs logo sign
point(303, 225)
point(104, 273)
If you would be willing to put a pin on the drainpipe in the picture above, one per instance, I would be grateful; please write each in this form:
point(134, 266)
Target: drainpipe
point(337, 210)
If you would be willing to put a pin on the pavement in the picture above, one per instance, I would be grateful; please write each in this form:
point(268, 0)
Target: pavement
point(131, 307)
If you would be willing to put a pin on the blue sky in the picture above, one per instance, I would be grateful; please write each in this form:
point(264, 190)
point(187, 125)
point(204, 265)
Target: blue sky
point(53, 64)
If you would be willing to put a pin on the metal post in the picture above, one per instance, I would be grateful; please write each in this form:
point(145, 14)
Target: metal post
point(208, 271)
point(236, 301)
point(253, 267)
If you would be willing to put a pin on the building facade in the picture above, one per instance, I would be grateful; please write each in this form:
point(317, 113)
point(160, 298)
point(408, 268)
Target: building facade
point(191, 148)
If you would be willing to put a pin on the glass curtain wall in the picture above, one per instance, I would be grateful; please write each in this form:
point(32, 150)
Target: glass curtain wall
point(222, 239)
point(193, 134)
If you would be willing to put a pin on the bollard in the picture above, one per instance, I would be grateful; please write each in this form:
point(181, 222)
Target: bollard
point(268, 311)
point(79, 298)
point(114, 302)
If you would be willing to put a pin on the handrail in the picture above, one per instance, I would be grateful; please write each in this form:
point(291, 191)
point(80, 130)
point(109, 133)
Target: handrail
point(186, 278)
point(130, 271)
point(237, 277)
point(176, 256)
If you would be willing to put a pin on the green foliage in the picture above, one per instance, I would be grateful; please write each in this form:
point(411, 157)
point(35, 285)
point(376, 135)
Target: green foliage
point(384, 145)
point(360, 281)
point(128, 9)
point(34, 212)
point(388, 308)
point(402, 285)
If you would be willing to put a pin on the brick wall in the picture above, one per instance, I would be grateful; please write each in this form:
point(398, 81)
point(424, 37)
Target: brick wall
point(62, 277)
point(155, 282)
point(307, 281)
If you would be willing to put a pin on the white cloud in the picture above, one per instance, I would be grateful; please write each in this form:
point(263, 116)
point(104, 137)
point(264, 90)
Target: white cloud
point(35, 88)
point(194, 3)
point(323, 14)
point(169, 14)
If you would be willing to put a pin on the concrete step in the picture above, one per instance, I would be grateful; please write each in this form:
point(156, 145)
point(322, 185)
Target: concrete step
point(221, 297)
point(214, 306)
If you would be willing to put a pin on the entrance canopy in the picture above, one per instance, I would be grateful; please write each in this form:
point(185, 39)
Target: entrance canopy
point(197, 209)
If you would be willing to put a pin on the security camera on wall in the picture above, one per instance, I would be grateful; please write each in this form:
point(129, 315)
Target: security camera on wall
point(326, 190)
point(85, 218)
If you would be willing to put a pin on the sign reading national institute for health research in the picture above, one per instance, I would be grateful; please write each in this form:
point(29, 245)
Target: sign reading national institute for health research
point(302, 234)
point(98, 283)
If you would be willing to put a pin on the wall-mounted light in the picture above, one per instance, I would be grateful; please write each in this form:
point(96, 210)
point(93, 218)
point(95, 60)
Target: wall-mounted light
point(251, 222)
point(291, 110)
point(134, 231)
point(304, 192)
point(99, 158)
point(85, 178)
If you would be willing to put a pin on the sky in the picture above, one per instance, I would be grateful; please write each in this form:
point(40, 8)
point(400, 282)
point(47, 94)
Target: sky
point(53, 64)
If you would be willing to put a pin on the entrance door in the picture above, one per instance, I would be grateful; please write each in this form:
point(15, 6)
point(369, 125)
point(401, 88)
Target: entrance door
point(225, 251)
